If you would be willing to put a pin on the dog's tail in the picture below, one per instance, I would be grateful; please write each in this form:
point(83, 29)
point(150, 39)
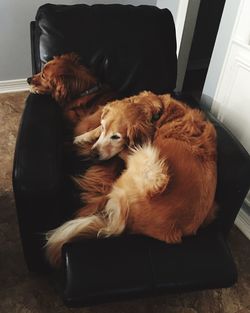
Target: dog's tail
point(110, 223)
point(87, 227)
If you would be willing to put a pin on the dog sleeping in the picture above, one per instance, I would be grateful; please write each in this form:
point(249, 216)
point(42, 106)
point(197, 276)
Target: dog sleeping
point(82, 98)
point(167, 189)
point(75, 88)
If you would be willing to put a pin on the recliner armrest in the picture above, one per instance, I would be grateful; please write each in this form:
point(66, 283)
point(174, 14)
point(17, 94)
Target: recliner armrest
point(233, 163)
point(38, 179)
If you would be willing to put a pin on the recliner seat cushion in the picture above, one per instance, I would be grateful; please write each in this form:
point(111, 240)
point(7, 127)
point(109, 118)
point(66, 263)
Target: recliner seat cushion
point(128, 266)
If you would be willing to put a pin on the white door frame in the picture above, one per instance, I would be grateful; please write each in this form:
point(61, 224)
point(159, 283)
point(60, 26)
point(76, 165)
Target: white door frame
point(231, 101)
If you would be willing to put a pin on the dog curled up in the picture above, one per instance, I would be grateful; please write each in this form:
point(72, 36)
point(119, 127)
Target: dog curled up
point(167, 189)
point(79, 93)
point(81, 97)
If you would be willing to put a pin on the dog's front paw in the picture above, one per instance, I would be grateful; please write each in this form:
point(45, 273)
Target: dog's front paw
point(79, 140)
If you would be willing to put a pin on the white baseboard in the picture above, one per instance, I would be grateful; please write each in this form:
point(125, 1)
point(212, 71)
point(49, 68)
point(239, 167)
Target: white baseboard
point(243, 223)
point(13, 85)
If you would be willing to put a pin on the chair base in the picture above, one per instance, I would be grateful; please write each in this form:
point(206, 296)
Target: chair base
point(126, 267)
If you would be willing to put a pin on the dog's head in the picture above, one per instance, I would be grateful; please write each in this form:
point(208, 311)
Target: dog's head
point(127, 122)
point(63, 77)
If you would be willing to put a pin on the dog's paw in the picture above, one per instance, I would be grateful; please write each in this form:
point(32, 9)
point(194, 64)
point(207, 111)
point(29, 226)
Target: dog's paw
point(79, 140)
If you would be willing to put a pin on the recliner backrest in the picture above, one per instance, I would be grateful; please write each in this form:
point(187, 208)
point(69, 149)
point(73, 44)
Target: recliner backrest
point(134, 48)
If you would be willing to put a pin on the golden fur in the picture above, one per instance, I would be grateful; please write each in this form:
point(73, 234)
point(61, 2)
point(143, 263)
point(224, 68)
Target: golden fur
point(131, 121)
point(167, 190)
point(65, 79)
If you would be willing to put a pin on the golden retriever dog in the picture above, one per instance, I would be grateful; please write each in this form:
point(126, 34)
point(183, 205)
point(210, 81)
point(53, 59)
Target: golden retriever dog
point(132, 122)
point(167, 189)
point(81, 98)
point(75, 88)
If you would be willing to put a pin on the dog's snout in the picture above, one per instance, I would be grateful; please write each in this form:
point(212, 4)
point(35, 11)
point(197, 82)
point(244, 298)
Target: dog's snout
point(95, 153)
point(29, 80)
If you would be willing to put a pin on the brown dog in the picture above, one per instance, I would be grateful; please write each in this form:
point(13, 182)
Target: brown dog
point(75, 88)
point(81, 98)
point(168, 188)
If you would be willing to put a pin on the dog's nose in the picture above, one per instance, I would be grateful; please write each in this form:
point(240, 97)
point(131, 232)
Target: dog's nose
point(29, 80)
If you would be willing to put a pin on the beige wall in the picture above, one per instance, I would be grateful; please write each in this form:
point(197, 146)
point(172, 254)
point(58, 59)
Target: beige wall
point(15, 16)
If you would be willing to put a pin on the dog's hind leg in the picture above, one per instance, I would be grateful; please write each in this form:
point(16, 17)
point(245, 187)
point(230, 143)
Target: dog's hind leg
point(109, 222)
point(166, 231)
point(93, 206)
point(172, 234)
point(115, 213)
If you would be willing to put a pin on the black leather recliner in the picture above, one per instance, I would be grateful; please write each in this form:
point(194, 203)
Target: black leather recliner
point(139, 46)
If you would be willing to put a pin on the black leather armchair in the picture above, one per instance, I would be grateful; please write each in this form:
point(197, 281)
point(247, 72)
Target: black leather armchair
point(139, 44)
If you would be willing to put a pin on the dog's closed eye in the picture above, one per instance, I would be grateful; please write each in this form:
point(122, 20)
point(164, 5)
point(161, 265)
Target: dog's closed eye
point(115, 137)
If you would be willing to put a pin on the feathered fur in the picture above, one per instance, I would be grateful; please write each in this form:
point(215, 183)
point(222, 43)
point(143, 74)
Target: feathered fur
point(167, 189)
point(65, 78)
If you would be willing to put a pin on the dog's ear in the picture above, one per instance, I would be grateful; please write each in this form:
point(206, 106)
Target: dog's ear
point(152, 104)
point(140, 127)
point(173, 109)
point(68, 86)
point(63, 86)
point(139, 133)
point(105, 111)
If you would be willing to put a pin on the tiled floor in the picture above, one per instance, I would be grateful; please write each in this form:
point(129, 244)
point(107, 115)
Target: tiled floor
point(25, 293)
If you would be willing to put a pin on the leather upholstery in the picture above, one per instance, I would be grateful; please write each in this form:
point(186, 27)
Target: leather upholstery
point(118, 268)
point(38, 176)
point(129, 44)
point(233, 180)
point(124, 267)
